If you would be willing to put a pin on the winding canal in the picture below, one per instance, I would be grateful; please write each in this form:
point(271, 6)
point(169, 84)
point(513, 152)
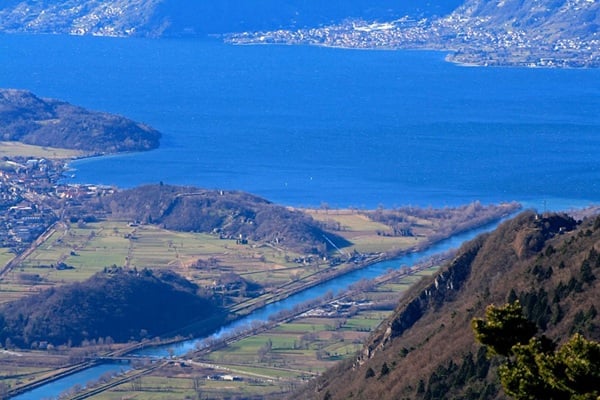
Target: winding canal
point(336, 285)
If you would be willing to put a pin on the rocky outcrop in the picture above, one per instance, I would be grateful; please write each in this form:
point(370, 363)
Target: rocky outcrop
point(526, 235)
point(443, 289)
point(427, 349)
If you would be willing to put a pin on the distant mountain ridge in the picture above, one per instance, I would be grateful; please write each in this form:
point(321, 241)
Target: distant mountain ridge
point(548, 33)
point(547, 17)
point(200, 17)
point(530, 33)
point(427, 349)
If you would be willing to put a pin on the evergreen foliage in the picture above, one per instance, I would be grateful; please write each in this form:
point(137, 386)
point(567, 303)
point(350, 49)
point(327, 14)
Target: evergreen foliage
point(503, 328)
point(532, 368)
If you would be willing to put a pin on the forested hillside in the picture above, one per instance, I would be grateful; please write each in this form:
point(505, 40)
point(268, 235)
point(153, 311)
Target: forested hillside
point(230, 214)
point(117, 304)
point(427, 349)
point(26, 118)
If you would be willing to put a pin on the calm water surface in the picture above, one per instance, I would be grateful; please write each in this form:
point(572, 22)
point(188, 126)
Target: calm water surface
point(307, 125)
point(81, 379)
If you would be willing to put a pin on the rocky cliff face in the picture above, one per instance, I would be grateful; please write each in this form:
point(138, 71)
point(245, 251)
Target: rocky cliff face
point(427, 350)
point(444, 288)
point(523, 237)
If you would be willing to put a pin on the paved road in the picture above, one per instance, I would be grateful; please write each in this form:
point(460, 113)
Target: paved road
point(18, 260)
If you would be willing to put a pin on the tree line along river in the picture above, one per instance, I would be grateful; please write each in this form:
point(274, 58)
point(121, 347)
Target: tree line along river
point(336, 285)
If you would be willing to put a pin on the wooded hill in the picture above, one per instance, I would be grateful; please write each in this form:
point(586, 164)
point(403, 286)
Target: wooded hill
point(26, 118)
point(427, 349)
point(230, 214)
point(117, 304)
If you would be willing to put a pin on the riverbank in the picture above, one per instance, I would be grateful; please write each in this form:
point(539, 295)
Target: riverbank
point(374, 236)
point(333, 286)
point(229, 365)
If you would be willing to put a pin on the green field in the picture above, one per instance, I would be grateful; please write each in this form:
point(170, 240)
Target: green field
point(188, 383)
point(268, 364)
point(16, 149)
point(89, 248)
point(305, 346)
point(299, 349)
point(19, 368)
point(364, 233)
point(5, 255)
point(202, 258)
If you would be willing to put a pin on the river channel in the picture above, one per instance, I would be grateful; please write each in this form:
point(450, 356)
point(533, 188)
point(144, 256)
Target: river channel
point(337, 285)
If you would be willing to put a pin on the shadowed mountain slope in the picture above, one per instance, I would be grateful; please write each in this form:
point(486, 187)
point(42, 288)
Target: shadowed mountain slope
point(427, 350)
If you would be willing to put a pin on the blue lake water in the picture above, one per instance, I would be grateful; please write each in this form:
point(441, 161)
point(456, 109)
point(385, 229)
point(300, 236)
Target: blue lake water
point(307, 125)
